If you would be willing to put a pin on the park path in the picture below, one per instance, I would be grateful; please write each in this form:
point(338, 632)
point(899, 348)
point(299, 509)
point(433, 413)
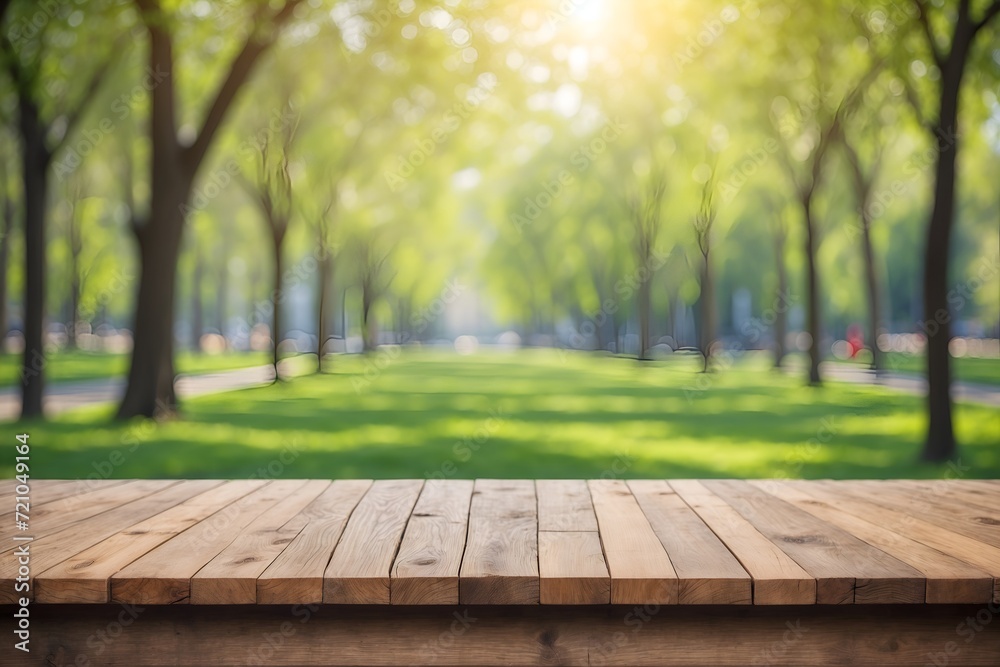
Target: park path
point(906, 382)
point(65, 396)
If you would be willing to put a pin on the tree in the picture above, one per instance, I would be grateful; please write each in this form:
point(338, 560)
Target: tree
point(779, 236)
point(805, 183)
point(703, 222)
point(951, 60)
point(197, 278)
point(7, 211)
point(822, 124)
point(322, 223)
point(863, 179)
point(272, 193)
point(174, 167)
point(74, 242)
point(28, 64)
point(645, 207)
point(373, 281)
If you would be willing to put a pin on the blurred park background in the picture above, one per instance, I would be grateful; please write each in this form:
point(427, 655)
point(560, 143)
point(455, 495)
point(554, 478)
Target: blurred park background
point(501, 238)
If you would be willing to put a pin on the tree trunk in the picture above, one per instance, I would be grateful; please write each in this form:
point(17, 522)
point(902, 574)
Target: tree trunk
point(780, 311)
point(150, 390)
point(8, 228)
point(276, 298)
point(813, 315)
point(35, 161)
point(197, 309)
point(940, 444)
point(644, 308)
point(367, 326)
point(74, 305)
point(871, 278)
point(222, 298)
point(322, 317)
point(707, 311)
point(75, 283)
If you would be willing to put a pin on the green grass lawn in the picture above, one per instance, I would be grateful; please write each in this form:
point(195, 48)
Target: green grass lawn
point(73, 366)
point(537, 413)
point(982, 371)
point(965, 369)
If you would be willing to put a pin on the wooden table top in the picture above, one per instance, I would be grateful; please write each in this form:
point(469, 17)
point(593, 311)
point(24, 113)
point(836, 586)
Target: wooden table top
point(492, 542)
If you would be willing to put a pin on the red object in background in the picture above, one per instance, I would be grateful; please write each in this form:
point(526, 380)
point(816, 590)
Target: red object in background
point(855, 339)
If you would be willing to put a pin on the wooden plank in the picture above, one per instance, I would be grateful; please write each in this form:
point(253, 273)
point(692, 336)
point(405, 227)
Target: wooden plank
point(571, 563)
point(564, 504)
point(955, 516)
point(39, 493)
point(983, 500)
point(86, 576)
point(430, 555)
point(982, 555)
point(572, 568)
point(296, 575)
point(847, 570)
point(358, 573)
point(331, 636)
point(53, 517)
point(777, 579)
point(53, 549)
point(59, 489)
point(231, 577)
point(500, 565)
point(73, 487)
point(990, 486)
point(949, 580)
point(957, 498)
point(707, 572)
point(641, 572)
point(163, 576)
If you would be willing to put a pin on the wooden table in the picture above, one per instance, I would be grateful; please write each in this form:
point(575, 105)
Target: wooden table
point(521, 572)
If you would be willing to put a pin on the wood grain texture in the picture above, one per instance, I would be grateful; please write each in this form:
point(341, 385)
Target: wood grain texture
point(231, 577)
point(572, 569)
point(86, 576)
point(726, 636)
point(500, 565)
point(777, 579)
point(707, 573)
point(430, 556)
point(949, 580)
point(53, 549)
point(847, 570)
point(969, 520)
point(571, 562)
point(564, 504)
point(641, 572)
point(296, 575)
point(983, 499)
point(52, 517)
point(977, 553)
point(358, 572)
point(163, 576)
point(510, 542)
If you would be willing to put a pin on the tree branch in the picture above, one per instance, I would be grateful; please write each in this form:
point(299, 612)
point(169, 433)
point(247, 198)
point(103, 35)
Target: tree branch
point(925, 23)
point(914, 100)
point(89, 93)
point(11, 65)
point(239, 71)
point(990, 13)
